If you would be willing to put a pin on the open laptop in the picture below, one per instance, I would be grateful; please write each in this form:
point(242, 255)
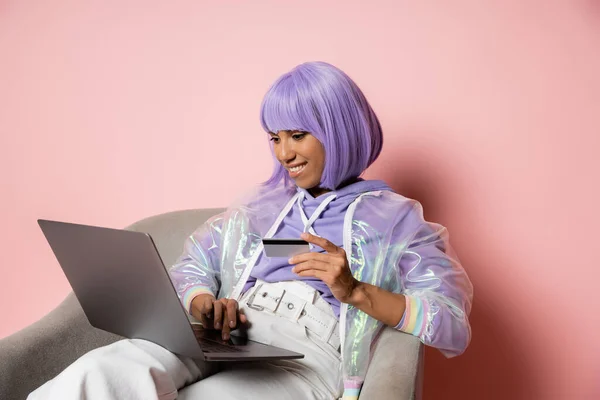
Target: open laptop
point(123, 287)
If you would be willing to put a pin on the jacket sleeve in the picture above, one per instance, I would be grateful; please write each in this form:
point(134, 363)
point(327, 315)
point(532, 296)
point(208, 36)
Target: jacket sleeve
point(437, 289)
point(198, 269)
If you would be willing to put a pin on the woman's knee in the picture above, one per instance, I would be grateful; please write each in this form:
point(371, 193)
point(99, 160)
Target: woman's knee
point(98, 361)
point(91, 363)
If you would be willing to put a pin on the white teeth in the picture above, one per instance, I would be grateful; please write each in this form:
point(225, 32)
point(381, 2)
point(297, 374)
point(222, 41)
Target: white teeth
point(298, 168)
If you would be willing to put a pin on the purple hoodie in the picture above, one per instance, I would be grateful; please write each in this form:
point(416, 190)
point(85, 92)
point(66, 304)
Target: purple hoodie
point(328, 223)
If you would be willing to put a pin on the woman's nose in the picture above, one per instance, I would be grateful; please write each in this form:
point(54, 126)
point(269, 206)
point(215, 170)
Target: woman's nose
point(286, 151)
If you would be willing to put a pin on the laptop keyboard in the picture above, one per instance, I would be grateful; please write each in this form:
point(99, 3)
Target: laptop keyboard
point(212, 346)
point(208, 346)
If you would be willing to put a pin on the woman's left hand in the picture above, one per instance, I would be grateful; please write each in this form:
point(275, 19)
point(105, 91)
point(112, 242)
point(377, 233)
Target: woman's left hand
point(331, 267)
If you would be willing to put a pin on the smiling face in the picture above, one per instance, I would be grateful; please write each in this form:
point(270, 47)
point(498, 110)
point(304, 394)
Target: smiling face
point(303, 157)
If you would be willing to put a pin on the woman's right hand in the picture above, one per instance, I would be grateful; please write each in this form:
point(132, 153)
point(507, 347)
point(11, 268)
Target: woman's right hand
point(222, 314)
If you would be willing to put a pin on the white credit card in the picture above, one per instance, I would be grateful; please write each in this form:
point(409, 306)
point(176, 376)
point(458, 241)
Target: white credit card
point(285, 247)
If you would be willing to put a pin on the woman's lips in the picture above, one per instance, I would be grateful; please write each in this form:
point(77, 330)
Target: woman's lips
point(296, 170)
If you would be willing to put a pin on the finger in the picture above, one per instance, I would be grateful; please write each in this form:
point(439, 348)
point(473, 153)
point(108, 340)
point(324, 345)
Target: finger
point(232, 311)
point(311, 264)
point(198, 307)
point(321, 242)
point(242, 316)
point(206, 323)
point(325, 257)
point(225, 332)
point(206, 313)
point(207, 307)
point(226, 317)
point(218, 314)
point(315, 274)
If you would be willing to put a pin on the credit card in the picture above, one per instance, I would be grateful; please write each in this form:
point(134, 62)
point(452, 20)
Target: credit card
point(285, 247)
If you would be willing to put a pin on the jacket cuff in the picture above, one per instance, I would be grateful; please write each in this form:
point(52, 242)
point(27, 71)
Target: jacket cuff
point(191, 293)
point(352, 388)
point(414, 319)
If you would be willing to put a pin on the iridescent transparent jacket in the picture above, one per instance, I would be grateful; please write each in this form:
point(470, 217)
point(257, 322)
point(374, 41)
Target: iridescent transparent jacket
point(388, 244)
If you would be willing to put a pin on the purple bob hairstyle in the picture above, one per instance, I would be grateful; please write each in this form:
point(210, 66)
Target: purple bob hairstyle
point(319, 98)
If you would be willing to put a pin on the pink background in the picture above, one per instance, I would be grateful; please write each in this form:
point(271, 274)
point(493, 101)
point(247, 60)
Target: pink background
point(111, 111)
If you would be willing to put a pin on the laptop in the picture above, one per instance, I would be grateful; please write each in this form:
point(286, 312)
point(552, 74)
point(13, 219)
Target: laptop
point(123, 288)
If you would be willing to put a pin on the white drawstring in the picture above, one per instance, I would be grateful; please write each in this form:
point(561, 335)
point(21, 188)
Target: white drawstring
point(237, 289)
point(309, 222)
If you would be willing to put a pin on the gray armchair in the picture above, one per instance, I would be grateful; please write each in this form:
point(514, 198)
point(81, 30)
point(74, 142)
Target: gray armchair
point(39, 352)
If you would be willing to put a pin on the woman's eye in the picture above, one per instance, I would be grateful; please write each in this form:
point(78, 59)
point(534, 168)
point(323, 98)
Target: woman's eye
point(274, 139)
point(298, 136)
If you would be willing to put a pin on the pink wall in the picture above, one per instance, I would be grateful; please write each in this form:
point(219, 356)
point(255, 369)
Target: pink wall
point(113, 112)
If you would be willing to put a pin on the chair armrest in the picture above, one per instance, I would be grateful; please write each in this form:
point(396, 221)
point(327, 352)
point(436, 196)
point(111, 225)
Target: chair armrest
point(42, 350)
point(396, 368)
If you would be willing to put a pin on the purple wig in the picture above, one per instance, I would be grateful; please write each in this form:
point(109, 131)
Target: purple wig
point(319, 98)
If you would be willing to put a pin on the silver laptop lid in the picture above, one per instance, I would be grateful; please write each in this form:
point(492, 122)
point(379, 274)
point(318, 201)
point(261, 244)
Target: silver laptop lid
point(121, 283)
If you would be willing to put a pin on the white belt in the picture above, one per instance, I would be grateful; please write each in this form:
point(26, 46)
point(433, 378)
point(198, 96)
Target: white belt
point(299, 303)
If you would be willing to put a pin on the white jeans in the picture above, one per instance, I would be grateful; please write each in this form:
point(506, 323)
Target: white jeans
point(138, 369)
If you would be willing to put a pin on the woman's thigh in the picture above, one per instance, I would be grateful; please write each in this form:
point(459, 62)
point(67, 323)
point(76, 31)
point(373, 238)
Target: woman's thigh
point(132, 368)
point(316, 376)
point(252, 381)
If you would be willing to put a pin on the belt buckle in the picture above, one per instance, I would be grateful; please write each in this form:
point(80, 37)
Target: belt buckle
point(251, 300)
point(255, 307)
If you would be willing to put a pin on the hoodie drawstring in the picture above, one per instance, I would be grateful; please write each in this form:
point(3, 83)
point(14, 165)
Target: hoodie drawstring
point(309, 222)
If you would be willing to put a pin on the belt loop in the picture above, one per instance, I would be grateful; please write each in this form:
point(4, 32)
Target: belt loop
point(329, 331)
point(299, 312)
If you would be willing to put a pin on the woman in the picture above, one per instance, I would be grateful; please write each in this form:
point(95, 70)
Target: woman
point(374, 261)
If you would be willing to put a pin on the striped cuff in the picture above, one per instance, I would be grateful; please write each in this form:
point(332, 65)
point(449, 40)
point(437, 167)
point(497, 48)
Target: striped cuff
point(191, 293)
point(402, 319)
point(414, 319)
point(352, 389)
